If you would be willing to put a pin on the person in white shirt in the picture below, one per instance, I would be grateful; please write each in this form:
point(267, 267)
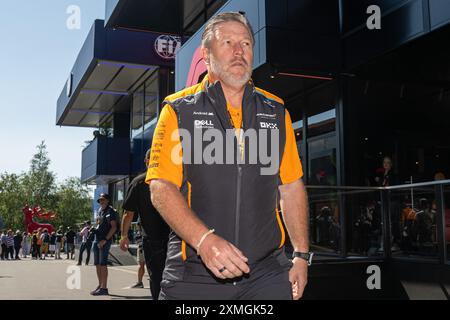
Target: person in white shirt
point(84, 233)
point(26, 244)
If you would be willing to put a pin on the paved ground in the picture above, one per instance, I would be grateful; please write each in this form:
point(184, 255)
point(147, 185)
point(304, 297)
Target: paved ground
point(47, 279)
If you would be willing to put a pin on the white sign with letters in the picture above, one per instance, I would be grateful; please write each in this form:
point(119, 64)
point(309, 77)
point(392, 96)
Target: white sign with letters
point(166, 46)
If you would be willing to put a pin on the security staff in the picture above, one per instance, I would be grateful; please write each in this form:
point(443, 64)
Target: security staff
point(227, 240)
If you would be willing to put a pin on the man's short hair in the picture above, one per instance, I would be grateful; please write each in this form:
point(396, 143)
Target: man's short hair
point(212, 24)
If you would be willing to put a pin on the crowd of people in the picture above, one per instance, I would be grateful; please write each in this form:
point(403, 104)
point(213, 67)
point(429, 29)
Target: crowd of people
point(41, 243)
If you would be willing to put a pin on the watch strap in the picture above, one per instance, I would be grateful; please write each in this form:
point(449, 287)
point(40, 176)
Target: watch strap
point(307, 256)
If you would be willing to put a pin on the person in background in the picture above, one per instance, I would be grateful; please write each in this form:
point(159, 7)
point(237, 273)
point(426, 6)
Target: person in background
point(153, 229)
point(39, 243)
point(140, 260)
point(439, 176)
point(17, 244)
point(58, 243)
point(3, 242)
point(70, 242)
point(52, 246)
point(385, 176)
point(26, 243)
point(34, 245)
point(10, 244)
point(84, 233)
point(89, 241)
point(45, 238)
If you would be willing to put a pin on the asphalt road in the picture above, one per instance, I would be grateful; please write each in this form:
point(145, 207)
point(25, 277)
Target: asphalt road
point(62, 280)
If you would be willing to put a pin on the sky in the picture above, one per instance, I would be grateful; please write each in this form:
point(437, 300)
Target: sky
point(37, 52)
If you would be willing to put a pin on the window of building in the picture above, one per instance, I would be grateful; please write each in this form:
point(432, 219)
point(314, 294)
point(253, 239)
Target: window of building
point(197, 12)
point(137, 112)
point(298, 131)
point(322, 166)
point(145, 105)
point(119, 194)
point(151, 100)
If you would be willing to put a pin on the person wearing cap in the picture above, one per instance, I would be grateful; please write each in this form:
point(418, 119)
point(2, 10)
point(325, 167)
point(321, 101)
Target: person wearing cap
point(155, 231)
point(106, 228)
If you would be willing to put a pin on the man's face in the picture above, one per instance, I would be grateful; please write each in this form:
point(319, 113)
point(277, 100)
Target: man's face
point(103, 203)
point(230, 57)
point(387, 164)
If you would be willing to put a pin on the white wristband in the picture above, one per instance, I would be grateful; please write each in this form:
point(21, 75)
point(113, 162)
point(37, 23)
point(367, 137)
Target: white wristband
point(203, 239)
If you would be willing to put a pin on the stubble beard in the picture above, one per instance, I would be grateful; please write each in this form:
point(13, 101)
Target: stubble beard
point(226, 77)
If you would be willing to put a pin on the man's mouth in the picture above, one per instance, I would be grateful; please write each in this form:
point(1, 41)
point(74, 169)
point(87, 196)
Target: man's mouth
point(239, 64)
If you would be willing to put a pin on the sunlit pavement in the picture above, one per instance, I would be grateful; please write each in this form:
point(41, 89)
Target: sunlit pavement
point(57, 280)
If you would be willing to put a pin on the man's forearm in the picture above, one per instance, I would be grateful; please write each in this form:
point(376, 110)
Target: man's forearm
point(126, 222)
point(111, 232)
point(170, 203)
point(294, 206)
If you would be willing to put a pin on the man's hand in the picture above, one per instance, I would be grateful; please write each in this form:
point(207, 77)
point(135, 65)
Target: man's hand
point(124, 243)
point(101, 244)
point(298, 276)
point(217, 254)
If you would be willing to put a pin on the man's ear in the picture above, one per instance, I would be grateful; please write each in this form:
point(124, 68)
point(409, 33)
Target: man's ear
point(205, 55)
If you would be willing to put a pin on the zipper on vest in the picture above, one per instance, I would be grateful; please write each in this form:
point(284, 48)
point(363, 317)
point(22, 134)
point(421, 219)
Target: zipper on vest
point(238, 205)
point(239, 176)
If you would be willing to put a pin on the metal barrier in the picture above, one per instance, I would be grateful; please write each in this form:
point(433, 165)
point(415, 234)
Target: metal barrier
point(398, 222)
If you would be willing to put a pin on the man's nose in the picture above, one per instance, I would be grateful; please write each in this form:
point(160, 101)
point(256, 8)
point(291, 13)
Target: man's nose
point(238, 49)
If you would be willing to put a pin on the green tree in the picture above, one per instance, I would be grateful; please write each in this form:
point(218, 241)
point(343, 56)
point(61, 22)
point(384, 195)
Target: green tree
point(12, 199)
point(74, 204)
point(39, 181)
point(70, 200)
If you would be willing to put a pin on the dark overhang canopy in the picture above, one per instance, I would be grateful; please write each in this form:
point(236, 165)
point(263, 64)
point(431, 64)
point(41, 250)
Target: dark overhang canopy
point(157, 16)
point(110, 65)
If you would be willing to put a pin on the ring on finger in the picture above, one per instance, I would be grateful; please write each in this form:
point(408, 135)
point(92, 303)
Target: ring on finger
point(222, 269)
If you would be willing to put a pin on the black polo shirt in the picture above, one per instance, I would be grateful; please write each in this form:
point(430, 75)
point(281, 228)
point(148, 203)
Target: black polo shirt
point(138, 200)
point(104, 226)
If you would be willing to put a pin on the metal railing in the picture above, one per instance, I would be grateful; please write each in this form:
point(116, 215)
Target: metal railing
point(410, 221)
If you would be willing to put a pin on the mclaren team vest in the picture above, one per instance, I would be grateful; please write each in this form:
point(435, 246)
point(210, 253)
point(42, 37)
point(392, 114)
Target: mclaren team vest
point(235, 199)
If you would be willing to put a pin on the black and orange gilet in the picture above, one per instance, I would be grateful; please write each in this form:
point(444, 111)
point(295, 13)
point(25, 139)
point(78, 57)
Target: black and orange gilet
point(235, 199)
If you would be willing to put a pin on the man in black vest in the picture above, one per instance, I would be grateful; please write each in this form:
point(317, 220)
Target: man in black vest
point(213, 181)
point(155, 232)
